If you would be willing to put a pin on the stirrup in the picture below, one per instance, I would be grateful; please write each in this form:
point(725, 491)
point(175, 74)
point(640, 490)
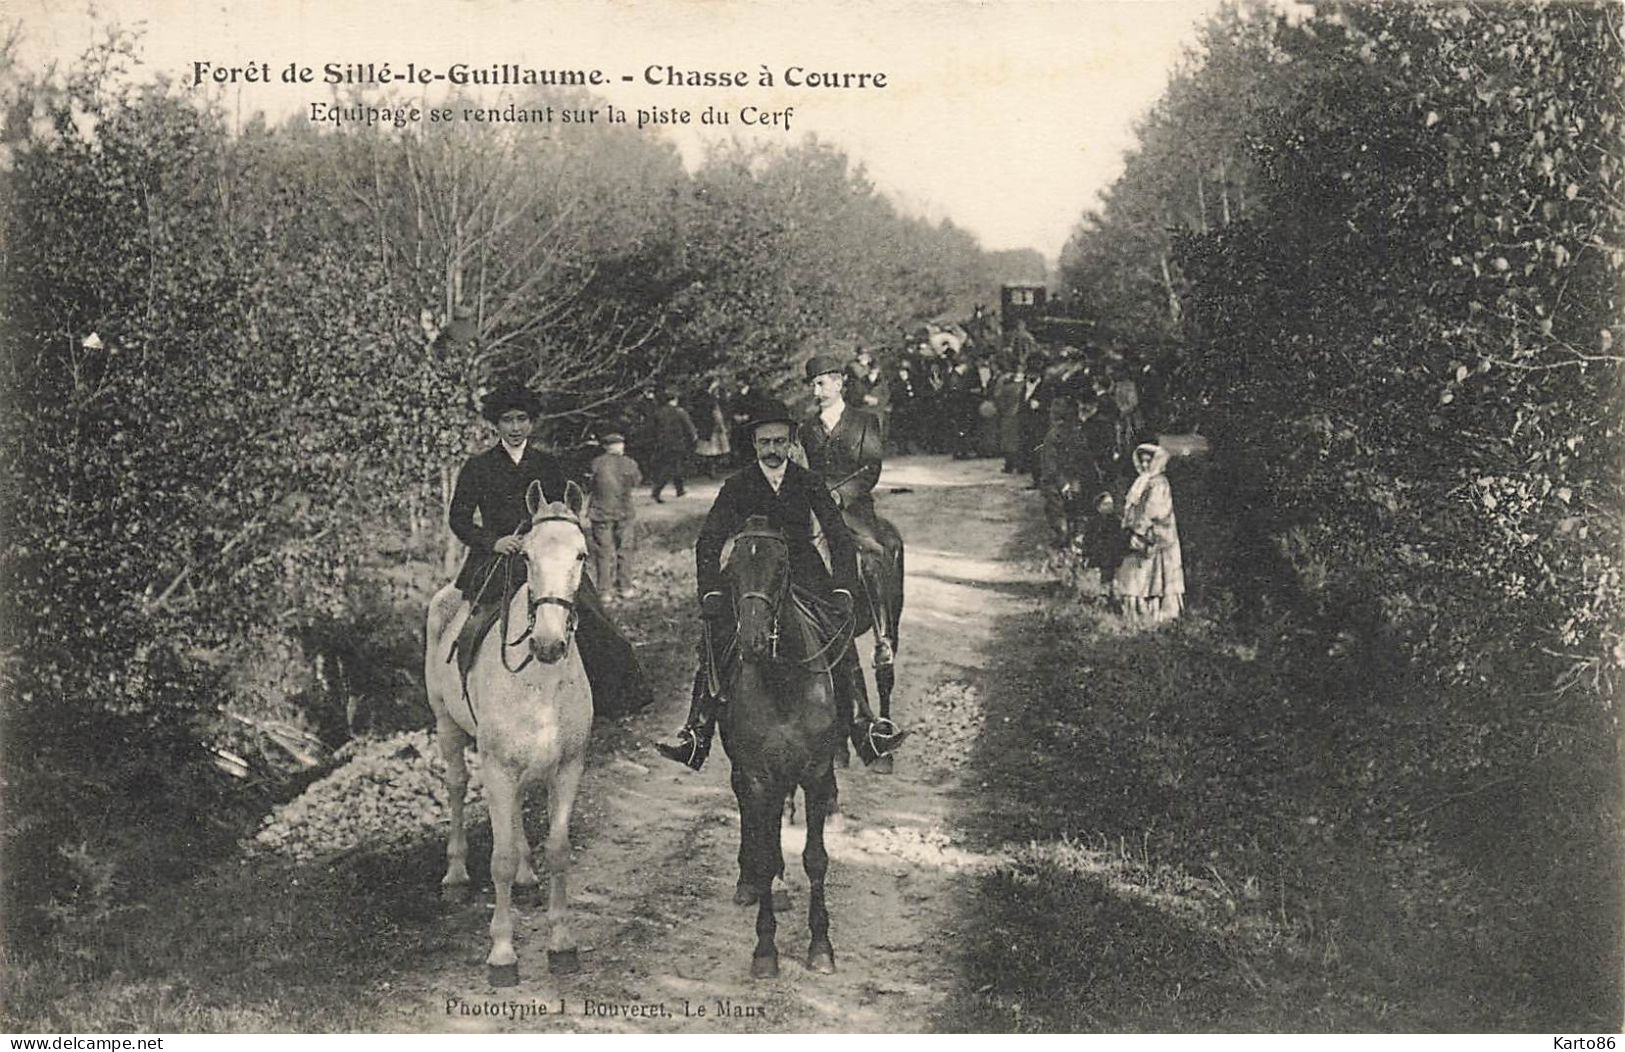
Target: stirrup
point(880, 737)
point(690, 751)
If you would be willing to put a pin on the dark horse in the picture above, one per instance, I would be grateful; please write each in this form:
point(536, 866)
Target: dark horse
point(780, 731)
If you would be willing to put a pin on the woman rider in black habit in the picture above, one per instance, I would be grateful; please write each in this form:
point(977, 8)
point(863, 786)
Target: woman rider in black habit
point(492, 487)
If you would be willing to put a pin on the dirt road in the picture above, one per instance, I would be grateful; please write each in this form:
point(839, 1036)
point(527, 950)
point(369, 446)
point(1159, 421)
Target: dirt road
point(663, 948)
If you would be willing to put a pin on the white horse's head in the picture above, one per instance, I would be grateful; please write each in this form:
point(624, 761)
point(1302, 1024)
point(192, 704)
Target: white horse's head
point(555, 554)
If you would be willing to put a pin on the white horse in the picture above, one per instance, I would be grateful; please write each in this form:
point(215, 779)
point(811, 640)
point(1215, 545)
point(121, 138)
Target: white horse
point(529, 709)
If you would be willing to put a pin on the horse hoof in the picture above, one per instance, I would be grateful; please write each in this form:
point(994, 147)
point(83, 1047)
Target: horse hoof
point(457, 894)
point(745, 895)
point(502, 975)
point(765, 967)
point(821, 960)
point(563, 962)
point(882, 766)
point(781, 899)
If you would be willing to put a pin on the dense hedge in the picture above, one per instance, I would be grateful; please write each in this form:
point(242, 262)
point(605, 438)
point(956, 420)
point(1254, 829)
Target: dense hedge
point(1377, 249)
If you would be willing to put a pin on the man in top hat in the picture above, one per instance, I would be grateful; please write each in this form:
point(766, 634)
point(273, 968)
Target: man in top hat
point(493, 485)
point(792, 499)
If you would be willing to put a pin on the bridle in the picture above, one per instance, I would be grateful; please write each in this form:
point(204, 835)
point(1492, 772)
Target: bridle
point(534, 602)
point(822, 659)
point(774, 602)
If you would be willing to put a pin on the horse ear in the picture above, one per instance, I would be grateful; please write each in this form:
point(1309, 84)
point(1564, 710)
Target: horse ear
point(575, 498)
point(535, 499)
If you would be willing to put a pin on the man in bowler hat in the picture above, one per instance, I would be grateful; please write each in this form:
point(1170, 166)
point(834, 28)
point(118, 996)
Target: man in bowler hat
point(792, 499)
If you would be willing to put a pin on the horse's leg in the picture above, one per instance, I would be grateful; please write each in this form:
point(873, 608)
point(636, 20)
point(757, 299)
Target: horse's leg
point(452, 740)
point(745, 888)
point(759, 806)
point(886, 632)
point(502, 794)
point(815, 860)
point(525, 879)
point(561, 798)
point(768, 863)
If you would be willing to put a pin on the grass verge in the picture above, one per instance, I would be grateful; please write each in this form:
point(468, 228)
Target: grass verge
point(1212, 830)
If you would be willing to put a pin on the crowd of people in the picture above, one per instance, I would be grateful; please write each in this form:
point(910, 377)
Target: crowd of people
point(1070, 419)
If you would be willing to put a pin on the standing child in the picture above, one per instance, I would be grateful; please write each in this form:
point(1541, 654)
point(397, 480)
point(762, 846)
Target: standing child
point(614, 476)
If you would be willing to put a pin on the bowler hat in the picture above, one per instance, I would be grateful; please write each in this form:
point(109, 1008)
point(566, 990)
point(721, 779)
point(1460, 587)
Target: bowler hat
point(771, 411)
point(819, 364)
point(506, 396)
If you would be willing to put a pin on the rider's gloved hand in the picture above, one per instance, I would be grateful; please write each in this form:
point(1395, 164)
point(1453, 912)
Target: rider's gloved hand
point(713, 606)
point(843, 599)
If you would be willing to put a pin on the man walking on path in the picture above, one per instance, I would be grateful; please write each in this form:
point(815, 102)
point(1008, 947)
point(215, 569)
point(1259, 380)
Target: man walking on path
point(614, 525)
point(674, 438)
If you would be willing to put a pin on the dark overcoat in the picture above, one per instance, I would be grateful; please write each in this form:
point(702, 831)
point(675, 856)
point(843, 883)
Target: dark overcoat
point(801, 500)
point(848, 458)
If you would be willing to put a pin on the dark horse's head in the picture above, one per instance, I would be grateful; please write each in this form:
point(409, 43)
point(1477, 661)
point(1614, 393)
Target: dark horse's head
point(758, 576)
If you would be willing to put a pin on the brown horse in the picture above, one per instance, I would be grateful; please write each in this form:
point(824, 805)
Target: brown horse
point(780, 731)
point(528, 706)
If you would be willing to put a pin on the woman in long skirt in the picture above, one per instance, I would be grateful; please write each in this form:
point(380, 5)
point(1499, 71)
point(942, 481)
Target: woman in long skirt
point(1151, 580)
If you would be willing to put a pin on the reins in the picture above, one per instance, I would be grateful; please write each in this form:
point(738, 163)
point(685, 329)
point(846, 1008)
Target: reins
point(533, 603)
point(838, 640)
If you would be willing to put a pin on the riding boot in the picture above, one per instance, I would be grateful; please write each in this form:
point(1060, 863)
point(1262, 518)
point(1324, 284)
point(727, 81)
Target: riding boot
point(871, 737)
point(694, 740)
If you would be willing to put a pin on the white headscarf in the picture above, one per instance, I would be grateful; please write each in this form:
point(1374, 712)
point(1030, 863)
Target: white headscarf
point(1159, 464)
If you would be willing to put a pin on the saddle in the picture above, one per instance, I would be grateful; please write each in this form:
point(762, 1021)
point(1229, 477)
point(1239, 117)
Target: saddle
point(484, 612)
point(480, 621)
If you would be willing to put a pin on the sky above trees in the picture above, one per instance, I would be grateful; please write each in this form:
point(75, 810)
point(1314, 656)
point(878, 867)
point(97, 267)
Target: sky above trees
point(1007, 118)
